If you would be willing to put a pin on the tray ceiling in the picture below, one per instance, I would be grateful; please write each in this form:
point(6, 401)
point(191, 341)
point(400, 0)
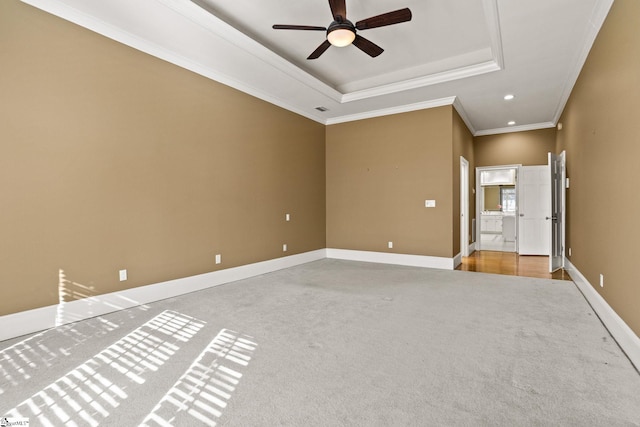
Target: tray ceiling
point(469, 54)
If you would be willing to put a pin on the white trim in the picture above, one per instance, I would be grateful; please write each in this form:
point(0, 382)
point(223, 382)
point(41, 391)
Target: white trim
point(493, 25)
point(428, 80)
point(464, 208)
point(26, 322)
point(510, 129)
point(393, 110)
point(619, 330)
point(216, 27)
point(598, 15)
point(477, 245)
point(457, 260)
point(495, 64)
point(457, 104)
point(200, 15)
point(219, 29)
point(392, 258)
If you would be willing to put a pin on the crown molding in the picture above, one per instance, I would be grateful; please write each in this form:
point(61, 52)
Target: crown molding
point(457, 104)
point(492, 18)
point(199, 15)
point(511, 129)
point(428, 80)
point(393, 110)
point(71, 14)
point(495, 35)
point(293, 79)
point(598, 16)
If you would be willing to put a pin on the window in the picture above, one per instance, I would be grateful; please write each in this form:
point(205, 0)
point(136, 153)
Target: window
point(508, 199)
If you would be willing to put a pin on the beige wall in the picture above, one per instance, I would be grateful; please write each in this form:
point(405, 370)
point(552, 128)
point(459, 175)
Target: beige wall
point(112, 159)
point(379, 173)
point(462, 147)
point(601, 135)
point(105, 165)
point(526, 148)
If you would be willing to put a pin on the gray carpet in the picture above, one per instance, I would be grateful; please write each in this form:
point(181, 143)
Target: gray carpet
point(332, 343)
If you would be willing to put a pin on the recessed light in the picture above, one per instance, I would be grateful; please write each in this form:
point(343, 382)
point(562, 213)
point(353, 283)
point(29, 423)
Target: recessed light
point(508, 97)
point(511, 123)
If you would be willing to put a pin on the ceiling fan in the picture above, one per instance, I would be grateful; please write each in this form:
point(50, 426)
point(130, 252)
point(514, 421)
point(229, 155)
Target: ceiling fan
point(341, 32)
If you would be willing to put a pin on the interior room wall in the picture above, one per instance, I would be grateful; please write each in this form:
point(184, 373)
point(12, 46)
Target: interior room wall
point(380, 171)
point(462, 140)
point(527, 148)
point(111, 159)
point(601, 136)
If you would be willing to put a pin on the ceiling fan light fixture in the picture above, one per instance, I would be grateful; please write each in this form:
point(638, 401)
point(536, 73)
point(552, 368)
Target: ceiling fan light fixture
point(341, 34)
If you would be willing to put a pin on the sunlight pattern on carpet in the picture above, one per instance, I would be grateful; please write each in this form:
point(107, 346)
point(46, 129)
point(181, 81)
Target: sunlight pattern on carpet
point(89, 393)
point(202, 392)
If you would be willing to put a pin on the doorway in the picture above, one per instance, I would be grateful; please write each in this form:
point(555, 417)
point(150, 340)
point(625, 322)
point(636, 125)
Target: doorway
point(497, 208)
point(464, 207)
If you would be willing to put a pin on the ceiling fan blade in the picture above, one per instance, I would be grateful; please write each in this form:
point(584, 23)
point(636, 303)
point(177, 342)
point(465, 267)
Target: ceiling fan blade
point(367, 46)
point(338, 8)
point(298, 27)
point(320, 50)
point(390, 18)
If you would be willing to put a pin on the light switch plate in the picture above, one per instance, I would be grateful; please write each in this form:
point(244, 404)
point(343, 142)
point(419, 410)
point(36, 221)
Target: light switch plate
point(429, 203)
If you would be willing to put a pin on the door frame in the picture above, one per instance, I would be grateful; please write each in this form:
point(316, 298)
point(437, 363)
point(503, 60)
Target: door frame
point(464, 207)
point(558, 170)
point(479, 169)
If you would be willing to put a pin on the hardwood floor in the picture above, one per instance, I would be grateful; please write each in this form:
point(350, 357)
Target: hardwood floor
point(510, 263)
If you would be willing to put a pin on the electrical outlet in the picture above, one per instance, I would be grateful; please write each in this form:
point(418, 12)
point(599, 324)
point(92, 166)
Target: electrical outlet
point(429, 203)
point(218, 259)
point(602, 280)
point(390, 245)
point(284, 248)
point(123, 275)
point(569, 251)
point(287, 217)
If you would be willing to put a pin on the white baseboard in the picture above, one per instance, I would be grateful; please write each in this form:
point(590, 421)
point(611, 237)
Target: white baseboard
point(391, 258)
point(29, 321)
point(26, 322)
point(619, 330)
point(457, 260)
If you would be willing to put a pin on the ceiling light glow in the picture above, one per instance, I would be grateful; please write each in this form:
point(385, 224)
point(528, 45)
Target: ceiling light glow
point(511, 123)
point(341, 37)
point(508, 97)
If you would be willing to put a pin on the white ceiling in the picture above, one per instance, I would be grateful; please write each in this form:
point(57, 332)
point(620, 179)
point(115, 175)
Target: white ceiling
point(469, 53)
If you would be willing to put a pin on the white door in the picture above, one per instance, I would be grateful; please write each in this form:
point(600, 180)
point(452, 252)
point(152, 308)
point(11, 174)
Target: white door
point(557, 175)
point(534, 194)
point(464, 206)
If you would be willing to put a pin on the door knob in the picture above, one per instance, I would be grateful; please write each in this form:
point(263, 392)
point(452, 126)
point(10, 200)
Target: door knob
point(554, 218)
point(521, 214)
